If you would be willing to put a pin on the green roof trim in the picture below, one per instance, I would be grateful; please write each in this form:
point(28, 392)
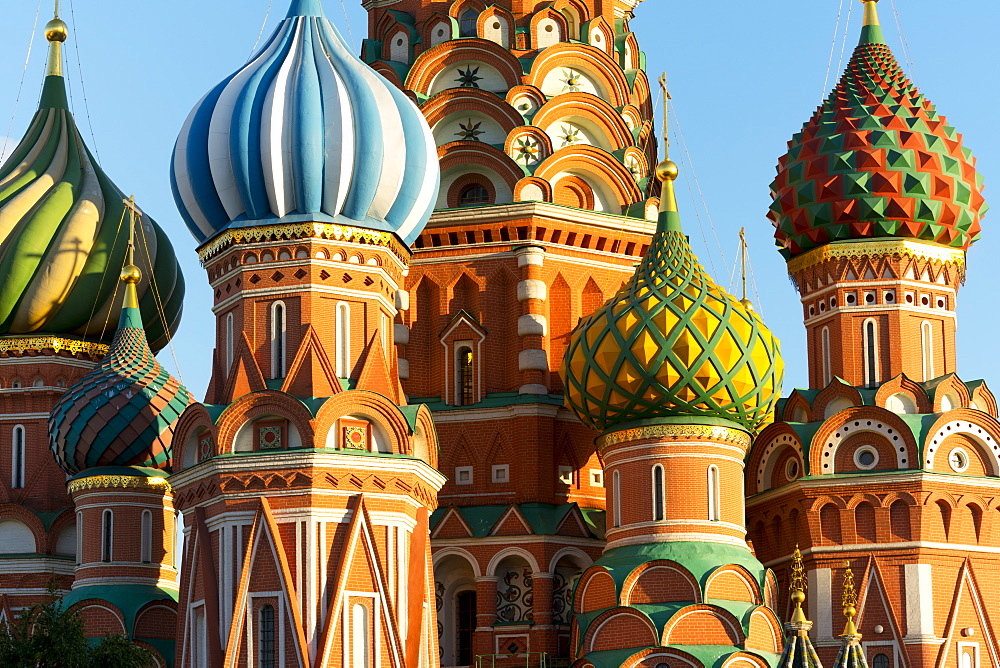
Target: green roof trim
point(128, 598)
point(700, 559)
point(542, 518)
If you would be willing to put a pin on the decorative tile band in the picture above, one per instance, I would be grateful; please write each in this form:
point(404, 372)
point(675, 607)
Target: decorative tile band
point(714, 433)
point(290, 231)
point(880, 247)
point(120, 481)
point(56, 343)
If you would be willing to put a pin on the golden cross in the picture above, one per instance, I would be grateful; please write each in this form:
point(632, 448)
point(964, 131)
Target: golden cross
point(666, 115)
point(133, 214)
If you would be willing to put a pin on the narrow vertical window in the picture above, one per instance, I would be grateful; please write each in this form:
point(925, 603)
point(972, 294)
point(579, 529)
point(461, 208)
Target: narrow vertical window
point(79, 537)
point(17, 458)
point(927, 349)
point(359, 637)
point(467, 23)
point(278, 340)
point(714, 503)
point(385, 333)
point(825, 353)
point(869, 338)
point(200, 640)
point(658, 493)
point(267, 647)
point(107, 534)
point(343, 334)
point(229, 342)
point(146, 537)
point(465, 388)
point(616, 493)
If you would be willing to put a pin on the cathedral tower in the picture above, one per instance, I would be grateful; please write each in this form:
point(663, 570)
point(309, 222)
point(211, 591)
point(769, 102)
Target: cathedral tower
point(306, 479)
point(889, 459)
point(676, 374)
point(542, 120)
point(63, 240)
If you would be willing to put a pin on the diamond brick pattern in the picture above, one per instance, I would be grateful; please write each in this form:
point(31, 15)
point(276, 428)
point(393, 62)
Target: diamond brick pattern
point(876, 160)
point(672, 343)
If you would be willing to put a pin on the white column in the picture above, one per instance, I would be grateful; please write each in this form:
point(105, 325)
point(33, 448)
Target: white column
point(919, 600)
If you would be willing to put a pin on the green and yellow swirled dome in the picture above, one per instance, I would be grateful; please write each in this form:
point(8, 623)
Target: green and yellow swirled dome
point(63, 233)
point(672, 344)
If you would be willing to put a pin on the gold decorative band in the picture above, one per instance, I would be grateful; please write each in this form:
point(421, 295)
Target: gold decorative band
point(290, 231)
point(877, 247)
point(56, 343)
point(713, 433)
point(121, 481)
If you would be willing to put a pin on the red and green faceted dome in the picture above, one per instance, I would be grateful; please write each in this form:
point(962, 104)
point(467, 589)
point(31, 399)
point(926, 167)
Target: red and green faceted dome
point(876, 160)
point(122, 413)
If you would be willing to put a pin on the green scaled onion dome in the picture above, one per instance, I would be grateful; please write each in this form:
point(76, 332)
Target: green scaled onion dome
point(876, 160)
point(122, 413)
point(672, 344)
point(63, 233)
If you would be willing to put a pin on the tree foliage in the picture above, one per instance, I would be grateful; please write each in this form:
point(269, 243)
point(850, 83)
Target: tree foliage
point(49, 635)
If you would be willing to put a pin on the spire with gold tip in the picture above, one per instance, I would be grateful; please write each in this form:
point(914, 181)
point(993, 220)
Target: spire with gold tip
point(851, 654)
point(122, 413)
point(62, 237)
point(672, 343)
point(799, 651)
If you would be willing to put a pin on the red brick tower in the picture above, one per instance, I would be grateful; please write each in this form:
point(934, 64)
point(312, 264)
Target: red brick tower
point(889, 461)
point(543, 124)
point(62, 245)
point(306, 479)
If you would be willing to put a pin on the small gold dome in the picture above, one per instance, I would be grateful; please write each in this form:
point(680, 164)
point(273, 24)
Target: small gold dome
point(56, 30)
point(667, 170)
point(131, 274)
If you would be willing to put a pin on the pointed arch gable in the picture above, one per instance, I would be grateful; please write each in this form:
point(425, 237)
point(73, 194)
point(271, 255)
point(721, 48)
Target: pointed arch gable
point(950, 385)
point(372, 406)
point(703, 624)
point(901, 383)
point(586, 106)
point(589, 59)
point(465, 100)
point(265, 402)
point(764, 631)
point(669, 578)
point(608, 629)
point(595, 591)
point(733, 582)
point(837, 389)
point(437, 59)
point(597, 164)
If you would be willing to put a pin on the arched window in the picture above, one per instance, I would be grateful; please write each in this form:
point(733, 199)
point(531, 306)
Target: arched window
point(107, 534)
point(268, 654)
point(825, 353)
point(616, 493)
point(146, 537)
point(658, 493)
point(464, 391)
point(229, 342)
point(714, 502)
point(880, 661)
point(869, 335)
point(473, 195)
point(343, 334)
point(359, 638)
point(467, 23)
point(17, 458)
point(79, 537)
point(927, 349)
point(278, 340)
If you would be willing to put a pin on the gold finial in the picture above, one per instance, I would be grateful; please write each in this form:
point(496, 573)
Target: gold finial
point(798, 586)
point(871, 12)
point(849, 599)
point(131, 274)
point(56, 33)
point(667, 170)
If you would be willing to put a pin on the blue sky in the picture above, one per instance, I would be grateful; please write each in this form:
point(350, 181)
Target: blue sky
point(744, 77)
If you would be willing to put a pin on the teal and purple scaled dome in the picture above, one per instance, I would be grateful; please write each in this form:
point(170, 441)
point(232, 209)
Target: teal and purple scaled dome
point(305, 132)
point(122, 413)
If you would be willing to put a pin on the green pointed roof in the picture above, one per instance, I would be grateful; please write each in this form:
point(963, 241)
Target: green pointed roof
point(122, 413)
point(62, 239)
point(876, 160)
point(672, 344)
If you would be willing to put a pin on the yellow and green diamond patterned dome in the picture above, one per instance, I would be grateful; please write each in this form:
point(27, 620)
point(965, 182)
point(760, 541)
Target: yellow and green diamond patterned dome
point(672, 344)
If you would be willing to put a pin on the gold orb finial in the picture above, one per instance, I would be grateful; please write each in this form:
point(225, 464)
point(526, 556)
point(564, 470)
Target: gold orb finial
point(56, 30)
point(747, 304)
point(667, 170)
point(131, 274)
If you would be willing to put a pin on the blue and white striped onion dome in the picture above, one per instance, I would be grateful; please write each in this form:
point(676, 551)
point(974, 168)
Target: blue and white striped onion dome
point(305, 132)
